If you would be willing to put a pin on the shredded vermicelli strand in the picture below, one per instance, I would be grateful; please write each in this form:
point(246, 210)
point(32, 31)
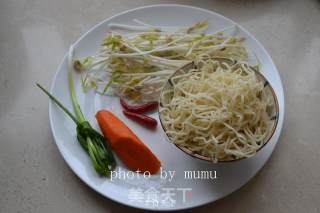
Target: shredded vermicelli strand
point(217, 110)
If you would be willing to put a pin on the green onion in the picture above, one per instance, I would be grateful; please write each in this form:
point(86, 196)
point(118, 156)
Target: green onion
point(92, 141)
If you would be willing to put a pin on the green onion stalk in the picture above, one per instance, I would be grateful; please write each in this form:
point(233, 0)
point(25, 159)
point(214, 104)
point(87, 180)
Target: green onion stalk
point(92, 141)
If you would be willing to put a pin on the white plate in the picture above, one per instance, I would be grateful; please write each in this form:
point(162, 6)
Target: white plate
point(137, 192)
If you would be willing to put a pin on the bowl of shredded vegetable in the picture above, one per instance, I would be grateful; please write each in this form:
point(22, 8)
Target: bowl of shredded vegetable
point(218, 109)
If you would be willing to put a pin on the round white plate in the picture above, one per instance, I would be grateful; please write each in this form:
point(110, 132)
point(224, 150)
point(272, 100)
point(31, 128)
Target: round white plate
point(155, 192)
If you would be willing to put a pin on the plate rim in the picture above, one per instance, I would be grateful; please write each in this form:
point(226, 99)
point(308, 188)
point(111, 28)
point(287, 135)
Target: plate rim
point(50, 111)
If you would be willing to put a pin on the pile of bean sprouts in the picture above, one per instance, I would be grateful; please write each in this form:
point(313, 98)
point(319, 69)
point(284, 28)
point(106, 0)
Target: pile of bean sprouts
point(136, 60)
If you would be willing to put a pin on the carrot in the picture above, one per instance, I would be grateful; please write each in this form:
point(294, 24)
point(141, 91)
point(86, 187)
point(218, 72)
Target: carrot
point(129, 148)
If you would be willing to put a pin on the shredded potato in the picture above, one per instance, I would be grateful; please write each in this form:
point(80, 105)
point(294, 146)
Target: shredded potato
point(218, 110)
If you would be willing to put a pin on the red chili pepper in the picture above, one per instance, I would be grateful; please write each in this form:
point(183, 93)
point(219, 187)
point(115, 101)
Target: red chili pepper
point(142, 119)
point(138, 108)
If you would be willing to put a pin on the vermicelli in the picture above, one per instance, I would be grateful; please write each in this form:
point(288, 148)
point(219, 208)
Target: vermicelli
point(218, 110)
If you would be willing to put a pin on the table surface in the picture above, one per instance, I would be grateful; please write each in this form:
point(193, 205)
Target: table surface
point(36, 34)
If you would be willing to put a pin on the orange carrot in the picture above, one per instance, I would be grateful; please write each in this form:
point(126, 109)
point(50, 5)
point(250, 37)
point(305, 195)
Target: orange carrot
point(129, 148)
